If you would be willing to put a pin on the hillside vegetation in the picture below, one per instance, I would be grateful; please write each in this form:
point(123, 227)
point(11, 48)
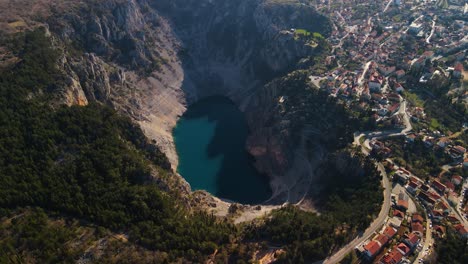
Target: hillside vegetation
point(65, 171)
point(87, 162)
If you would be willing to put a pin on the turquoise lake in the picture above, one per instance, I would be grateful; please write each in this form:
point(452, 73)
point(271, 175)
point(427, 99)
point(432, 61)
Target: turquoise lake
point(210, 142)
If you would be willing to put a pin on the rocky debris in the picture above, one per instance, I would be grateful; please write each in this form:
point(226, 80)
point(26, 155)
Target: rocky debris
point(149, 59)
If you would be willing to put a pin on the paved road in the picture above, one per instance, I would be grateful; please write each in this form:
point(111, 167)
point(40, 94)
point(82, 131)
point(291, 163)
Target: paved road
point(458, 210)
point(428, 240)
point(335, 258)
point(378, 222)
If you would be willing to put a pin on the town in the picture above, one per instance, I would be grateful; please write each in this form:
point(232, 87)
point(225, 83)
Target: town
point(400, 66)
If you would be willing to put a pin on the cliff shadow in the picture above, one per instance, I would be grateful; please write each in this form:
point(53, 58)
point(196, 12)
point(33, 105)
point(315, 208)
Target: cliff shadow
point(237, 179)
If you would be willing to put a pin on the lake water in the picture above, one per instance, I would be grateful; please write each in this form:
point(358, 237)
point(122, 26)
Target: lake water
point(210, 141)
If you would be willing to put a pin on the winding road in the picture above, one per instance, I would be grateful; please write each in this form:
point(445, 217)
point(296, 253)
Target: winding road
point(377, 224)
point(380, 220)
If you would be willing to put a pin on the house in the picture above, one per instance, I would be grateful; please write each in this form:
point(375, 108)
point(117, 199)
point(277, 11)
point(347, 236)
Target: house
point(412, 187)
point(423, 196)
point(399, 88)
point(459, 149)
point(393, 108)
point(398, 213)
point(434, 195)
point(457, 152)
point(372, 249)
point(417, 228)
point(395, 222)
point(404, 249)
point(390, 232)
point(438, 186)
point(452, 198)
point(412, 240)
point(450, 186)
point(375, 83)
point(444, 142)
point(402, 175)
point(437, 215)
point(415, 28)
point(410, 138)
point(400, 74)
point(444, 207)
point(461, 230)
point(457, 71)
point(428, 141)
point(387, 70)
point(439, 230)
point(457, 179)
point(452, 219)
point(429, 54)
point(375, 144)
point(402, 203)
point(382, 239)
point(418, 63)
point(419, 112)
point(393, 257)
point(417, 218)
point(393, 97)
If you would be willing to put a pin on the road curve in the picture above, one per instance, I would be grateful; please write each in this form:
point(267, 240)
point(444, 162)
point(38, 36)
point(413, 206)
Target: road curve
point(378, 222)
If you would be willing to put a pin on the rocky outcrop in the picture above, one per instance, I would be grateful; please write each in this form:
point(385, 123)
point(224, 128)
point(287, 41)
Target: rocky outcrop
point(150, 59)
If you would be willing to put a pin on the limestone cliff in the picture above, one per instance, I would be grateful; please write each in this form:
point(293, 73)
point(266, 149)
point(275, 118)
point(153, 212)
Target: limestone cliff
point(150, 59)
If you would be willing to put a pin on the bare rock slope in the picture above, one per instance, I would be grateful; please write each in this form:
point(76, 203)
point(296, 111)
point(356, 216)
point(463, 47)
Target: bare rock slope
point(150, 59)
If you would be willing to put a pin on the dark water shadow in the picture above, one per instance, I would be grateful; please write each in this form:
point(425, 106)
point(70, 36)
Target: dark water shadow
point(237, 179)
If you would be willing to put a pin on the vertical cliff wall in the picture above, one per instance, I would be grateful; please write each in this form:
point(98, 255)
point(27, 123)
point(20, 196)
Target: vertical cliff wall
point(150, 59)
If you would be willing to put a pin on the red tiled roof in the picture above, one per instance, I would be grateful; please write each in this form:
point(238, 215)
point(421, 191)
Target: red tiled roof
point(413, 238)
point(413, 185)
point(403, 204)
point(461, 229)
point(389, 231)
point(450, 185)
point(398, 213)
point(392, 258)
point(405, 171)
point(452, 218)
point(437, 213)
point(417, 227)
point(426, 197)
point(412, 178)
point(393, 107)
point(417, 218)
point(443, 205)
point(439, 229)
point(438, 185)
point(460, 149)
point(404, 249)
point(383, 239)
point(458, 178)
point(372, 247)
point(434, 195)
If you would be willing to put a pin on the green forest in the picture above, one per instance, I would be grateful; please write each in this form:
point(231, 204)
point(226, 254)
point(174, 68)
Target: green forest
point(91, 164)
point(350, 202)
point(453, 249)
point(87, 162)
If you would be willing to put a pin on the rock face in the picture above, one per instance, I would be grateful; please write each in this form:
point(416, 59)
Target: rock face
point(150, 59)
